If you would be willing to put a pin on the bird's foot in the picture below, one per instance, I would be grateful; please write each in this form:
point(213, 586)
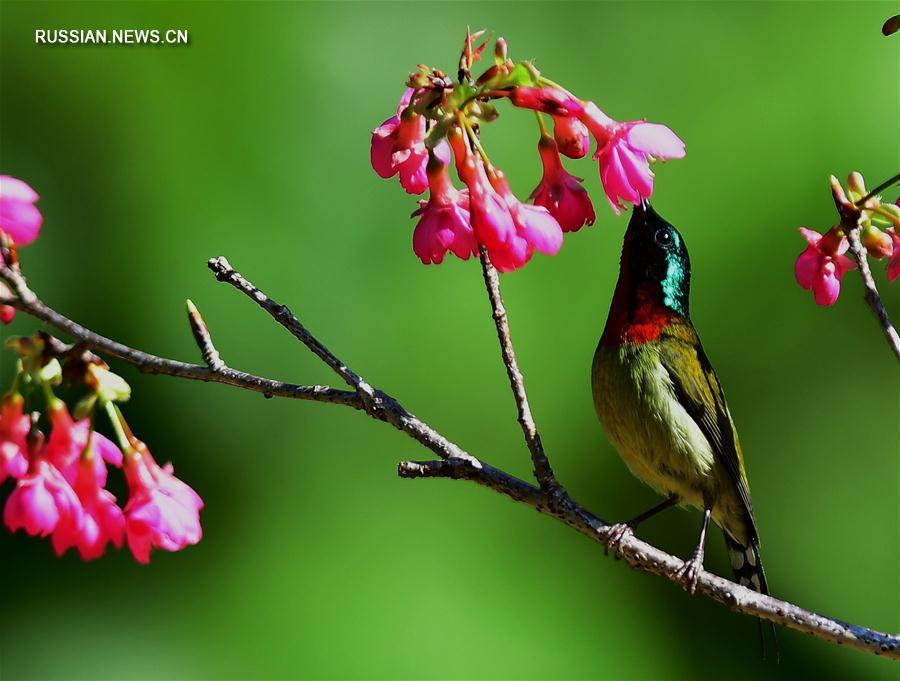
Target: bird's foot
point(614, 538)
point(689, 573)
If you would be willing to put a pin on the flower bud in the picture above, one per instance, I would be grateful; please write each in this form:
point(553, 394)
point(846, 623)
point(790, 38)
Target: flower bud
point(417, 81)
point(856, 186)
point(51, 372)
point(877, 243)
point(7, 312)
point(109, 387)
point(549, 100)
point(500, 51)
point(571, 136)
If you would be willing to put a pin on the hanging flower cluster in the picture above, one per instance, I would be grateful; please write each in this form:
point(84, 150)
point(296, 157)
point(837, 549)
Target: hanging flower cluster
point(821, 266)
point(60, 489)
point(438, 121)
point(60, 479)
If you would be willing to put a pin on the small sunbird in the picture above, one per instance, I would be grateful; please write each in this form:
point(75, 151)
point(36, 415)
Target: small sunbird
point(661, 404)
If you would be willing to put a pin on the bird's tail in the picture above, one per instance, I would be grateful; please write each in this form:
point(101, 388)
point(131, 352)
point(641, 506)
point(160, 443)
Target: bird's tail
point(747, 564)
point(748, 571)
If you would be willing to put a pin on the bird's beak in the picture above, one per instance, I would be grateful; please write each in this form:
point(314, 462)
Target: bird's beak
point(641, 214)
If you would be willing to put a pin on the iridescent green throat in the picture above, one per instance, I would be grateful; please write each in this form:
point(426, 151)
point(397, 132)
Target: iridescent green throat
point(677, 280)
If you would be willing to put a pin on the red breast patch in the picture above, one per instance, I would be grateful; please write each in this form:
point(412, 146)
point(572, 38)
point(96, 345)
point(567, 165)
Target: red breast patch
point(642, 324)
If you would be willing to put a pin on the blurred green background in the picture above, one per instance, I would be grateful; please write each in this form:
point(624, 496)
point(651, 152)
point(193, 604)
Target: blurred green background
point(317, 561)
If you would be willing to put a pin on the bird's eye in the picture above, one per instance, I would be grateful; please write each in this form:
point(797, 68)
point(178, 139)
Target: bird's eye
point(663, 237)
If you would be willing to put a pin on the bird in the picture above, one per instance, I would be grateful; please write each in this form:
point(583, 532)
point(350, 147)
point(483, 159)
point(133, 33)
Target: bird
point(662, 406)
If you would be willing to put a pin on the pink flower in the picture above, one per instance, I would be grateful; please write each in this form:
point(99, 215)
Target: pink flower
point(385, 136)
point(624, 151)
point(510, 230)
point(571, 135)
point(533, 223)
point(68, 440)
point(893, 266)
point(44, 503)
point(103, 523)
point(536, 229)
point(821, 266)
point(512, 255)
point(561, 193)
point(19, 217)
point(491, 220)
point(444, 224)
point(163, 511)
point(398, 147)
point(549, 100)
point(14, 426)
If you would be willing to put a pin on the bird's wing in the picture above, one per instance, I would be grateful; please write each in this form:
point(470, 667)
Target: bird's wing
point(697, 389)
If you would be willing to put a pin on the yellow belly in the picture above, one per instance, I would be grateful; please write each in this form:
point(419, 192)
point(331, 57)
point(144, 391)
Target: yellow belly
point(659, 442)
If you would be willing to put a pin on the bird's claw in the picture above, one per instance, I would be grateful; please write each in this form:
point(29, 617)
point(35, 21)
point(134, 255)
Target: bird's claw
point(689, 573)
point(614, 538)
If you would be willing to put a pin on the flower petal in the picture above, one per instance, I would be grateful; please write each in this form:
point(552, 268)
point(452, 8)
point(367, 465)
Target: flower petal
point(812, 236)
point(655, 139)
point(806, 267)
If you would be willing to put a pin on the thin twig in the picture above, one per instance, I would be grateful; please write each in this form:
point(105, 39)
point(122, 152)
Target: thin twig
point(457, 463)
point(542, 469)
point(850, 216)
point(203, 339)
point(28, 302)
point(376, 403)
point(282, 314)
point(871, 294)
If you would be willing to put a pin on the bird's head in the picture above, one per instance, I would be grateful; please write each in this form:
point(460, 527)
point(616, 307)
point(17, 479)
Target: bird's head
point(655, 258)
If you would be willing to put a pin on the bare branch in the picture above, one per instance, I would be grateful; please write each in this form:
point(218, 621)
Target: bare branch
point(455, 462)
point(28, 302)
point(647, 558)
point(873, 299)
point(850, 216)
point(542, 470)
point(376, 403)
point(282, 314)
